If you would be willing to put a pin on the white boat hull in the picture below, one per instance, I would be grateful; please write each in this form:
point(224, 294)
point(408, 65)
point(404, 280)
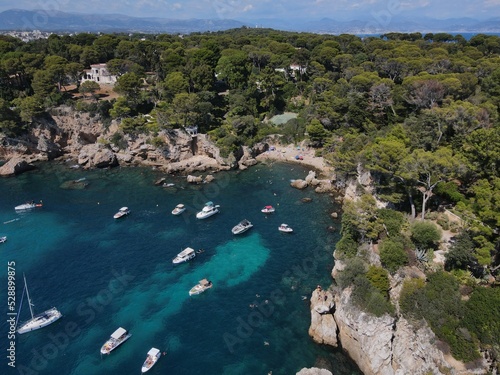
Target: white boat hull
point(240, 231)
point(148, 366)
point(40, 321)
point(25, 207)
point(185, 255)
point(197, 290)
point(242, 227)
point(203, 215)
point(178, 212)
point(108, 350)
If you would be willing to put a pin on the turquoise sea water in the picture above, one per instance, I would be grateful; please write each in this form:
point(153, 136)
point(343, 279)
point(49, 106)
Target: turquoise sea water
point(103, 273)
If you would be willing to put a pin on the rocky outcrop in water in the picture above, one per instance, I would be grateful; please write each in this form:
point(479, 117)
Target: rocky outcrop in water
point(321, 186)
point(14, 166)
point(323, 329)
point(314, 371)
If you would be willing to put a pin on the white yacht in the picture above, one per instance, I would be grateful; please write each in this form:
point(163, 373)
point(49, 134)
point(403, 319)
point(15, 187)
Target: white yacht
point(153, 356)
point(242, 227)
point(285, 228)
point(200, 287)
point(28, 206)
point(3, 239)
point(268, 209)
point(117, 338)
point(36, 321)
point(124, 211)
point(179, 209)
point(187, 254)
point(207, 211)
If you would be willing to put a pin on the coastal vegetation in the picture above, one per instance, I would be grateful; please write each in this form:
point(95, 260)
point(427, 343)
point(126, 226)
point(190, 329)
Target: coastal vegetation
point(419, 113)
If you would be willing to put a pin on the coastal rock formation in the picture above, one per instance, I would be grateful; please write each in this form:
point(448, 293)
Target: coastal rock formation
point(323, 328)
point(381, 345)
point(324, 186)
point(314, 371)
point(208, 178)
point(74, 135)
point(310, 177)
point(367, 339)
point(298, 184)
point(193, 164)
point(194, 179)
point(247, 159)
point(97, 156)
point(15, 166)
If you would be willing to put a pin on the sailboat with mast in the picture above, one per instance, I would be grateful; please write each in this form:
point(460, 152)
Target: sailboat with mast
point(36, 321)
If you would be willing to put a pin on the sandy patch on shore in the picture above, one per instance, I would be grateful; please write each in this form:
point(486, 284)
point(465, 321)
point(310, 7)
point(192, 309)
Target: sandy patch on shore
point(289, 154)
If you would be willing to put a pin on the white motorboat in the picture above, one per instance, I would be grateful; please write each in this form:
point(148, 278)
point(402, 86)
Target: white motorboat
point(200, 287)
point(117, 338)
point(268, 209)
point(36, 321)
point(242, 227)
point(28, 206)
point(187, 254)
point(3, 239)
point(124, 211)
point(207, 211)
point(153, 356)
point(179, 209)
point(285, 228)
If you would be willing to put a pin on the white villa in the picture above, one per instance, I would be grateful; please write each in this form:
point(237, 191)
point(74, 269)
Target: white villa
point(98, 73)
point(292, 70)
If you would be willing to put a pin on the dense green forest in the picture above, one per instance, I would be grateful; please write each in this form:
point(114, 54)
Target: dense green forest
point(420, 112)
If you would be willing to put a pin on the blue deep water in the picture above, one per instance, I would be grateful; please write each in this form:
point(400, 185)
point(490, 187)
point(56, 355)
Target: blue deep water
point(103, 273)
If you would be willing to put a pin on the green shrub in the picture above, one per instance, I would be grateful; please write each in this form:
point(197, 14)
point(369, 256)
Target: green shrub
point(482, 315)
point(119, 140)
point(354, 267)
point(393, 254)
point(379, 278)
point(460, 254)
point(158, 142)
point(407, 296)
point(425, 235)
point(439, 303)
point(346, 247)
point(370, 299)
point(392, 219)
point(444, 222)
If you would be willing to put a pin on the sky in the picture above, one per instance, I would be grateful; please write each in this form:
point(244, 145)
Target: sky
point(342, 10)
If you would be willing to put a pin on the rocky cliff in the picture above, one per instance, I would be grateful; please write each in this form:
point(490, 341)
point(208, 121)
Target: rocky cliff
point(383, 345)
point(86, 141)
point(386, 345)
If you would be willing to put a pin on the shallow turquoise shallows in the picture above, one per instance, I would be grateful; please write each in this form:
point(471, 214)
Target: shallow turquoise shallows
point(103, 273)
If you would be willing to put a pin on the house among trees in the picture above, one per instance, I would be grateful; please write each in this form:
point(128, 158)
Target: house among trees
point(99, 73)
point(292, 70)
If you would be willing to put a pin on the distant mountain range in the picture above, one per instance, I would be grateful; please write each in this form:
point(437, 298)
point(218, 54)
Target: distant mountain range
point(27, 20)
